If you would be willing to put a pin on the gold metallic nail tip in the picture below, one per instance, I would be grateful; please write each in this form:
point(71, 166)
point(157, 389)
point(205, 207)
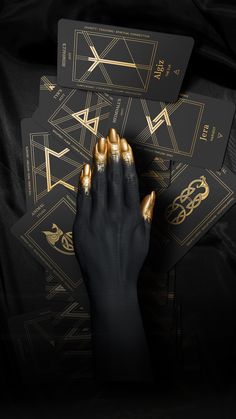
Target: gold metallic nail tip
point(153, 196)
point(86, 170)
point(124, 145)
point(147, 206)
point(101, 145)
point(113, 136)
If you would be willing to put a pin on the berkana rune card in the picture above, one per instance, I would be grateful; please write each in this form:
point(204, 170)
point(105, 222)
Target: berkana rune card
point(121, 60)
point(76, 117)
point(47, 163)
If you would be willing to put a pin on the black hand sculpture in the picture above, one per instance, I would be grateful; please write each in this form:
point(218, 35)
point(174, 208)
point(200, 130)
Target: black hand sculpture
point(111, 239)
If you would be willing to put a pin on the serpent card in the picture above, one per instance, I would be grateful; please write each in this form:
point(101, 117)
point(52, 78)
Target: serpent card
point(121, 60)
point(194, 201)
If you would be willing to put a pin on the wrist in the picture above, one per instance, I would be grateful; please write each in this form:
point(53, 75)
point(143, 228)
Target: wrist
point(111, 299)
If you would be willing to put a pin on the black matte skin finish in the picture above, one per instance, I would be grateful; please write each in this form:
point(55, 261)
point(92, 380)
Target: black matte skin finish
point(111, 240)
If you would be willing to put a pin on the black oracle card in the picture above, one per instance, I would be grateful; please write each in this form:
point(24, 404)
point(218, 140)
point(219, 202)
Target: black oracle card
point(76, 117)
point(47, 163)
point(155, 177)
point(46, 231)
point(121, 60)
point(195, 129)
point(184, 212)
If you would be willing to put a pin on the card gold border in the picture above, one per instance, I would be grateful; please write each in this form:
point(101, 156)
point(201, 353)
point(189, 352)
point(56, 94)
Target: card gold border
point(65, 278)
point(114, 86)
point(205, 219)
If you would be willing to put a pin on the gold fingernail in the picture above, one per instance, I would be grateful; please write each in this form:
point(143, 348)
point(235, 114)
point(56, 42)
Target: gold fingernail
point(147, 206)
point(113, 136)
point(126, 151)
point(102, 144)
point(100, 154)
point(85, 178)
point(113, 144)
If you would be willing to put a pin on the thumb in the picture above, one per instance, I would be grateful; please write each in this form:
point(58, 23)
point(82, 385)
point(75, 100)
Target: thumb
point(147, 206)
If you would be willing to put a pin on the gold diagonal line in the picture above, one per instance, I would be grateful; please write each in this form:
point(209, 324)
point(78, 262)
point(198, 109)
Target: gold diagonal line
point(97, 60)
point(62, 181)
point(85, 76)
point(160, 163)
point(109, 47)
point(70, 112)
point(55, 179)
point(145, 134)
point(105, 74)
point(84, 129)
point(156, 176)
point(173, 138)
point(66, 177)
point(45, 140)
point(42, 148)
point(48, 85)
point(128, 106)
point(106, 101)
point(134, 62)
point(72, 128)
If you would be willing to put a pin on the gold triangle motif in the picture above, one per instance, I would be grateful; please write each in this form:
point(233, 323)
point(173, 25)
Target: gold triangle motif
point(90, 124)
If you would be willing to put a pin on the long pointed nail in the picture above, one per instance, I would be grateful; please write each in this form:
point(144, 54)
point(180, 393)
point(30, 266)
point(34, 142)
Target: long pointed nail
point(86, 170)
point(102, 145)
point(113, 136)
point(147, 206)
point(113, 145)
point(100, 154)
point(126, 151)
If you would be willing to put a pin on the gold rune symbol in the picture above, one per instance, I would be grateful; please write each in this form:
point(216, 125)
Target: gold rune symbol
point(98, 60)
point(62, 242)
point(177, 72)
point(219, 135)
point(47, 84)
point(183, 205)
point(48, 151)
point(158, 120)
point(90, 124)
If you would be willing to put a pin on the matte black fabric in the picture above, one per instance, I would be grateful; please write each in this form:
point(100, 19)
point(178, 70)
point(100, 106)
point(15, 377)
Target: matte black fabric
point(190, 313)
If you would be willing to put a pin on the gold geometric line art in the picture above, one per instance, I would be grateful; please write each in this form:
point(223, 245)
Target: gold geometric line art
point(145, 134)
point(63, 120)
point(158, 120)
point(183, 205)
point(96, 59)
point(90, 124)
point(158, 179)
point(171, 108)
point(56, 236)
point(99, 60)
point(48, 151)
point(47, 84)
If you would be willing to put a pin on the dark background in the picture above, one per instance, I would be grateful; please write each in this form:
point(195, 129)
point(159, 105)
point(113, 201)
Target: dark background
point(190, 313)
